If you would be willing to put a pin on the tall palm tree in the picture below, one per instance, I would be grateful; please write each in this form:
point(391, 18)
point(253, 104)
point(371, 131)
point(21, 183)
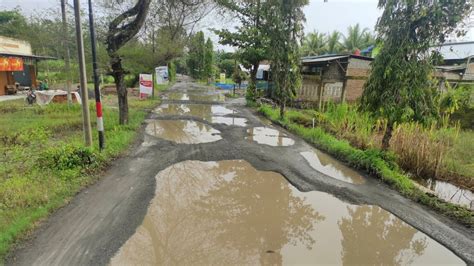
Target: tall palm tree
point(334, 42)
point(314, 44)
point(355, 38)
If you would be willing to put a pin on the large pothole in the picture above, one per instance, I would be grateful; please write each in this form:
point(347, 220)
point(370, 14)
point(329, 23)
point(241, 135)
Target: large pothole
point(268, 136)
point(183, 131)
point(327, 165)
point(229, 213)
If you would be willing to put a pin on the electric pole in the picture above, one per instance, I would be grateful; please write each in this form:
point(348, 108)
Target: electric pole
point(82, 69)
point(67, 55)
point(98, 102)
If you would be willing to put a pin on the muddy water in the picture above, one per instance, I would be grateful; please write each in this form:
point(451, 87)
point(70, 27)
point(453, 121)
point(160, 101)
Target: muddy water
point(212, 113)
point(327, 165)
point(269, 136)
point(449, 192)
point(228, 213)
point(209, 96)
point(230, 121)
point(183, 131)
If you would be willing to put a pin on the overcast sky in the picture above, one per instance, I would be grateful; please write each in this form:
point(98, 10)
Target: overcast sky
point(320, 16)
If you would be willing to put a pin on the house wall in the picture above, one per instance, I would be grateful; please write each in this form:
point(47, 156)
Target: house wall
point(354, 89)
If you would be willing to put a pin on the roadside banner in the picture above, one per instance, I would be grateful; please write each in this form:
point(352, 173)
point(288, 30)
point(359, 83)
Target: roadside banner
point(162, 75)
point(146, 85)
point(222, 78)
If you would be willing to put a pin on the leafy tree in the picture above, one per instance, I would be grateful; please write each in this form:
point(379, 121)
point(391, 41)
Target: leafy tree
point(248, 37)
point(227, 66)
point(13, 24)
point(284, 29)
point(209, 60)
point(400, 87)
point(121, 30)
point(355, 39)
point(334, 42)
point(196, 54)
point(315, 44)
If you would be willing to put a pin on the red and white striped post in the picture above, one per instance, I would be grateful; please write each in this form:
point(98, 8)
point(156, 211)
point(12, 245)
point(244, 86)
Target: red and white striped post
point(98, 102)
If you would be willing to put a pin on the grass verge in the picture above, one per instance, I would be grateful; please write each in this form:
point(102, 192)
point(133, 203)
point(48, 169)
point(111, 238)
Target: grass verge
point(372, 161)
point(43, 162)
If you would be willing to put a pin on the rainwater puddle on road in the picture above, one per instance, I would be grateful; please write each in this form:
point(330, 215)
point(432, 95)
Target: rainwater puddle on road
point(327, 165)
point(269, 136)
point(195, 96)
point(203, 111)
point(212, 113)
point(230, 121)
point(183, 131)
point(449, 192)
point(229, 213)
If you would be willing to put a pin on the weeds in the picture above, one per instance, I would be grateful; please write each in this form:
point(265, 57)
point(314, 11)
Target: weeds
point(43, 162)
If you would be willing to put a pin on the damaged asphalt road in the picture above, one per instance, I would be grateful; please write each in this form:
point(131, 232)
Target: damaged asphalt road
point(100, 219)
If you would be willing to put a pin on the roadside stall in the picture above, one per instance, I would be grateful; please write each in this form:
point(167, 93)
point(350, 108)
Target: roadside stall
point(18, 66)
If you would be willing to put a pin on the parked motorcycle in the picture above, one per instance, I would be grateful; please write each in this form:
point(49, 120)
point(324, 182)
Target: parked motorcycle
point(31, 97)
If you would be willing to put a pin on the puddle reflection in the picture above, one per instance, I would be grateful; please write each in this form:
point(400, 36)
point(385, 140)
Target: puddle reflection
point(327, 165)
point(269, 136)
point(449, 192)
point(207, 96)
point(227, 212)
point(211, 113)
point(183, 131)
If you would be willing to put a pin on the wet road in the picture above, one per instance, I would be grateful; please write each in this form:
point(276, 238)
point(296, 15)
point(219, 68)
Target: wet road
point(210, 183)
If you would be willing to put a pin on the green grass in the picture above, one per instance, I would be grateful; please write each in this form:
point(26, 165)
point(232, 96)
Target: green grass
point(373, 161)
point(461, 159)
point(44, 163)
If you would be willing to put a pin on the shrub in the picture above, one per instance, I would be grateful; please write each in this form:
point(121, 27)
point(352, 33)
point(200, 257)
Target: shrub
point(69, 157)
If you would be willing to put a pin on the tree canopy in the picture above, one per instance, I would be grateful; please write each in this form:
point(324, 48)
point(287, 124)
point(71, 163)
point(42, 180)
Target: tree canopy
point(401, 87)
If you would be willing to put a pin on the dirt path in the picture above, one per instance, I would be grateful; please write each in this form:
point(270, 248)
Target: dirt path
point(97, 223)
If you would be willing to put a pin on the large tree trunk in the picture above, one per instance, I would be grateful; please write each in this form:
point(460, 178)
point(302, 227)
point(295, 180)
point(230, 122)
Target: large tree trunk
point(282, 109)
point(122, 29)
point(119, 75)
point(387, 137)
point(252, 89)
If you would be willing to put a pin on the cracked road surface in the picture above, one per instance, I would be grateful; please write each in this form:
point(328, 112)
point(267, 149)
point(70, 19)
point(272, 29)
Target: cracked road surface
point(210, 182)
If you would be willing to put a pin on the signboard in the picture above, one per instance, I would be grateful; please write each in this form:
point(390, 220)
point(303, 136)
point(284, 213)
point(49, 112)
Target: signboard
point(14, 46)
point(162, 75)
point(11, 64)
point(146, 85)
point(222, 78)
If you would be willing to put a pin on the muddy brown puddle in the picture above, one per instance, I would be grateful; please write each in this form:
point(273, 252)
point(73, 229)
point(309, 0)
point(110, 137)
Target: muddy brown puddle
point(196, 95)
point(269, 136)
point(183, 131)
point(229, 213)
point(215, 114)
point(327, 165)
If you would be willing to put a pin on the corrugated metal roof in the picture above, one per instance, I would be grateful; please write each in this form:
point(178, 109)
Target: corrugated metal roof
point(453, 51)
point(322, 58)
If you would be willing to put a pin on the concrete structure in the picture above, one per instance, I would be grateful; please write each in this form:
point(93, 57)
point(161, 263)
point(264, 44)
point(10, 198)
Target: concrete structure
point(333, 78)
point(17, 64)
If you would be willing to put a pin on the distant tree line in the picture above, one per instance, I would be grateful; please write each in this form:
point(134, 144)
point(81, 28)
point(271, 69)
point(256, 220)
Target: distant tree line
point(317, 43)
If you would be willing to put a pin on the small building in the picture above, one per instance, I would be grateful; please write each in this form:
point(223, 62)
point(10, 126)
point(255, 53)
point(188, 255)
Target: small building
point(17, 64)
point(333, 78)
point(458, 63)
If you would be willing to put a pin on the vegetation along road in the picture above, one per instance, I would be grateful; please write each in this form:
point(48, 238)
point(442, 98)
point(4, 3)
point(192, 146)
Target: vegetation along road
point(210, 176)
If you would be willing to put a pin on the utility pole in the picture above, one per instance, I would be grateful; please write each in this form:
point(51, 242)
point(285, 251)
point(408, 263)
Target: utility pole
point(98, 102)
point(82, 70)
point(67, 56)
